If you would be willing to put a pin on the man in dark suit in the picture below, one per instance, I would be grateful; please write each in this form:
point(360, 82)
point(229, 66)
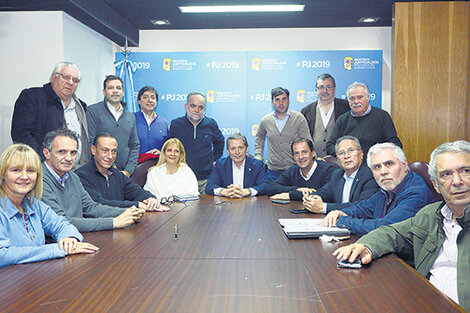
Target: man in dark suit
point(306, 176)
point(321, 115)
point(351, 183)
point(239, 175)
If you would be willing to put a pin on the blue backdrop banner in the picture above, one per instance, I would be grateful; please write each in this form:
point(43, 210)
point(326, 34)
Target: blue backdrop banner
point(238, 84)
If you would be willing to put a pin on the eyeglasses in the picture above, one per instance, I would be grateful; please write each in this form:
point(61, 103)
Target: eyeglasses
point(170, 200)
point(68, 78)
point(328, 87)
point(343, 153)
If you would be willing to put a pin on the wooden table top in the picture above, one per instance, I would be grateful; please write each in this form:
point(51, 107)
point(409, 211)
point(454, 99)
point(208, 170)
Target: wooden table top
point(229, 257)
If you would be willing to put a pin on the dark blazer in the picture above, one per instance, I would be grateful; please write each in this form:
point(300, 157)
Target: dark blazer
point(254, 176)
point(38, 110)
point(310, 112)
point(363, 187)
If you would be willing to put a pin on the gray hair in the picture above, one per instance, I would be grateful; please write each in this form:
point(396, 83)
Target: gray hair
point(195, 93)
point(237, 136)
point(59, 66)
point(459, 146)
point(341, 139)
point(323, 77)
point(379, 147)
point(358, 84)
point(50, 136)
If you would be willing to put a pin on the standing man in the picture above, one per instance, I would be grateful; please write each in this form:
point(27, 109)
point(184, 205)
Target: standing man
point(39, 110)
point(152, 129)
point(438, 237)
point(64, 193)
point(238, 175)
point(281, 127)
point(368, 124)
point(321, 115)
point(304, 177)
point(402, 194)
point(351, 183)
point(110, 116)
point(106, 184)
point(201, 138)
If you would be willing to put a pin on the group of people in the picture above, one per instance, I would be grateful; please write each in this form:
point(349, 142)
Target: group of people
point(89, 153)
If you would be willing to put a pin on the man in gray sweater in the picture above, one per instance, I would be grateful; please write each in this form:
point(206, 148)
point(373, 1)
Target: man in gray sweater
point(64, 193)
point(111, 116)
point(281, 127)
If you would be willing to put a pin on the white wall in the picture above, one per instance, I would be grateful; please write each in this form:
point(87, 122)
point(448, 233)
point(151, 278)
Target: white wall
point(33, 42)
point(358, 38)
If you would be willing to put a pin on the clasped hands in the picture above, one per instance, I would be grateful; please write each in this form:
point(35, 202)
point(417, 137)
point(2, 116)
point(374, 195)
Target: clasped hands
point(234, 191)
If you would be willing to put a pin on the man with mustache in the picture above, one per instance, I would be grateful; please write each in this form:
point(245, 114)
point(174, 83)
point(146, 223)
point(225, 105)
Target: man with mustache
point(40, 110)
point(438, 236)
point(368, 124)
point(402, 193)
point(281, 127)
point(64, 193)
point(321, 115)
point(201, 138)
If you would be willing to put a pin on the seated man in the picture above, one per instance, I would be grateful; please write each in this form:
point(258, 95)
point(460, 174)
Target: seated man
point(306, 176)
point(64, 193)
point(106, 184)
point(239, 175)
point(402, 193)
point(438, 236)
point(351, 183)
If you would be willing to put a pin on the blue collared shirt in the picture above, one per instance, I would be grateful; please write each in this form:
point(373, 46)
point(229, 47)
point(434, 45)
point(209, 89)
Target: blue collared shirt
point(62, 179)
point(281, 123)
point(22, 237)
point(367, 112)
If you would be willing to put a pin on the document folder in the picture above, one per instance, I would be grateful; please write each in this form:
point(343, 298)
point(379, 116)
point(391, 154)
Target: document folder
point(309, 228)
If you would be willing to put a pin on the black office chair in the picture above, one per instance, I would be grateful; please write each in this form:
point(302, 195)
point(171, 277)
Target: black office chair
point(331, 160)
point(421, 168)
point(140, 174)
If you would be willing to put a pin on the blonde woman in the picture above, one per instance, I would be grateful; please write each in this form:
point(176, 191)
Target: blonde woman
point(24, 219)
point(172, 176)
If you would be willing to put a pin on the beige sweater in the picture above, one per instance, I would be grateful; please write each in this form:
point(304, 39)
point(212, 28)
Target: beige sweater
point(279, 151)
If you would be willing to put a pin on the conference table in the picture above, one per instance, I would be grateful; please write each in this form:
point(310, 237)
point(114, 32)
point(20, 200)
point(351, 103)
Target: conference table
point(229, 256)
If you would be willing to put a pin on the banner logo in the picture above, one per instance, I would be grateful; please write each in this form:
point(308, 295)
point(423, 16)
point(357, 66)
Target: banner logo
point(210, 96)
point(256, 63)
point(167, 64)
point(254, 129)
point(348, 63)
point(301, 96)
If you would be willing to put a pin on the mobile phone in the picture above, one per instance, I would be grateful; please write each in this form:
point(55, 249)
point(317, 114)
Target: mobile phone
point(345, 264)
point(298, 211)
point(281, 201)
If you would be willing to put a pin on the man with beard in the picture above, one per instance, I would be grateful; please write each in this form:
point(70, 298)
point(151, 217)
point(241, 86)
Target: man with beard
point(281, 127)
point(201, 138)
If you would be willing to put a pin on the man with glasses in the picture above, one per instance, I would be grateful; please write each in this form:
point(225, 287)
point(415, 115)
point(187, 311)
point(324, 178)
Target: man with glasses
point(39, 110)
point(350, 184)
point(402, 194)
point(437, 238)
point(321, 115)
point(368, 124)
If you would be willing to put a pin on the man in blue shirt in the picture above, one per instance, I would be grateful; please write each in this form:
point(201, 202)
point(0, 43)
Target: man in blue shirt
point(402, 193)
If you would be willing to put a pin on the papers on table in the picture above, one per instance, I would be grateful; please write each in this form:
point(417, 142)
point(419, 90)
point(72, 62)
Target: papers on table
point(309, 228)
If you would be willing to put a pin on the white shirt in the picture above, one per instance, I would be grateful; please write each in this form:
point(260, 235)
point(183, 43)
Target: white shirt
point(238, 175)
point(348, 182)
point(72, 122)
point(310, 173)
point(444, 270)
point(325, 117)
point(117, 114)
point(182, 183)
point(149, 119)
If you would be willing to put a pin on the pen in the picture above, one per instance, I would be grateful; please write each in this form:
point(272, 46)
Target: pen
point(176, 231)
